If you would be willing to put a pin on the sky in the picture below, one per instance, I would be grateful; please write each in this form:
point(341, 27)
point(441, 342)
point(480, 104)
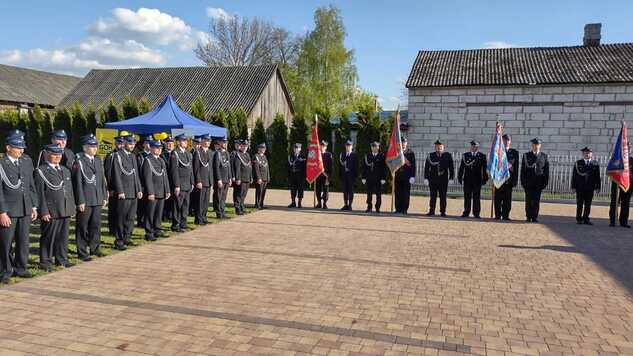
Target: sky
point(73, 36)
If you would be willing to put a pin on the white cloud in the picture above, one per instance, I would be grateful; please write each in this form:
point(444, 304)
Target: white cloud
point(218, 13)
point(498, 44)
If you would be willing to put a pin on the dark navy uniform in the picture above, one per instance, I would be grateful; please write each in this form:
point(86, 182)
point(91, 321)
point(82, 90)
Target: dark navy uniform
point(222, 173)
point(402, 183)
point(534, 178)
point(624, 200)
point(155, 183)
point(140, 206)
point(503, 194)
point(323, 180)
point(168, 206)
point(374, 173)
point(585, 180)
point(126, 181)
point(438, 170)
point(56, 199)
point(348, 168)
point(261, 172)
point(180, 176)
point(202, 174)
point(472, 174)
point(296, 178)
point(90, 190)
point(243, 174)
point(18, 197)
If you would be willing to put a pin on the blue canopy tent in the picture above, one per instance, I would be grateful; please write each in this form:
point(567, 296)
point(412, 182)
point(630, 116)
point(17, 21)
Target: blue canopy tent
point(164, 118)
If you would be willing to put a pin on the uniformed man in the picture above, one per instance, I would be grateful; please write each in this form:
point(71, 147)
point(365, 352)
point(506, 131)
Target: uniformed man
point(108, 168)
point(18, 201)
point(243, 170)
point(534, 178)
point(503, 194)
point(140, 157)
point(127, 190)
point(56, 206)
point(194, 195)
point(203, 177)
point(585, 179)
point(60, 138)
point(90, 195)
point(168, 147)
point(262, 175)
point(348, 168)
point(374, 175)
point(404, 177)
point(181, 180)
point(438, 170)
point(323, 180)
point(472, 174)
point(213, 152)
point(296, 175)
point(223, 175)
point(155, 190)
point(624, 199)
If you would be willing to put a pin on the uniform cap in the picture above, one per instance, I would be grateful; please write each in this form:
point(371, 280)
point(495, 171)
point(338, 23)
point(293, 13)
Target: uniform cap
point(181, 137)
point(506, 137)
point(155, 143)
point(130, 139)
point(16, 141)
point(404, 139)
point(297, 145)
point(535, 141)
point(261, 145)
point(349, 142)
point(474, 143)
point(54, 149)
point(59, 134)
point(375, 144)
point(438, 142)
point(15, 132)
point(586, 149)
point(89, 140)
point(324, 143)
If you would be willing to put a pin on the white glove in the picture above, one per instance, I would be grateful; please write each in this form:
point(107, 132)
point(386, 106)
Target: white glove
point(382, 181)
point(411, 180)
point(363, 180)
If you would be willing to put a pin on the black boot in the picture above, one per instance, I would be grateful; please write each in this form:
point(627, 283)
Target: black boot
point(318, 206)
point(293, 204)
point(368, 210)
point(299, 204)
point(325, 205)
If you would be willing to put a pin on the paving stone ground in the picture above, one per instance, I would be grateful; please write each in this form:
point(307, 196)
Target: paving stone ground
point(297, 282)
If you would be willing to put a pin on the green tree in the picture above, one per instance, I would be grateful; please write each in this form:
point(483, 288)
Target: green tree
point(278, 132)
point(35, 135)
point(47, 128)
point(79, 127)
point(129, 107)
point(198, 109)
point(219, 118)
point(241, 125)
point(233, 134)
point(112, 112)
point(144, 106)
point(258, 135)
point(92, 119)
point(63, 121)
point(298, 133)
point(8, 121)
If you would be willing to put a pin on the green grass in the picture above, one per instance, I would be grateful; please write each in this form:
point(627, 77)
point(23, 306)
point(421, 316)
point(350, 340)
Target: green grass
point(107, 240)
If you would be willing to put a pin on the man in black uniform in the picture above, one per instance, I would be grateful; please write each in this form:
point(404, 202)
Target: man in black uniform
point(127, 190)
point(534, 178)
point(112, 198)
point(296, 175)
point(223, 175)
point(203, 177)
point(56, 206)
point(262, 175)
point(348, 168)
point(181, 179)
point(374, 175)
point(194, 195)
point(405, 176)
point(155, 190)
point(503, 194)
point(323, 180)
point(60, 138)
point(623, 198)
point(472, 174)
point(243, 170)
point(212, 154)
point(140, 157)
point(438, 170)
point(90, 195)
point(18, 201)
point(168, 147)
point(585, 179)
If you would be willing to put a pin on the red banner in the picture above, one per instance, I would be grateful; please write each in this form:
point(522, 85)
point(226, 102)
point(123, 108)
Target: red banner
point(315, 160)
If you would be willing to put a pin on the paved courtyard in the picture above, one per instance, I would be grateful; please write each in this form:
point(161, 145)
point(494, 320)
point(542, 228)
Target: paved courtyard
point(295, 282)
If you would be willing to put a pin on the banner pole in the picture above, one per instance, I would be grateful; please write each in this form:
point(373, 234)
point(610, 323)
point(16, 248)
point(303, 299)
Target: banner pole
point(617, 203)
point(492, 201)
point(314, 201)
point(393, 188)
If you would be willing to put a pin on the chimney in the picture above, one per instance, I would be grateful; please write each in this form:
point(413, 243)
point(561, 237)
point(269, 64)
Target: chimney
point(592, 34)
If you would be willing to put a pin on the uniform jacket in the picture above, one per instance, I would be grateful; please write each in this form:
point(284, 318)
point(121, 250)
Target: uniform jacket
point(513, 163)
point(439, 168)
point(585, 177)
point(296, 166)
point(260, 167)
point(472, 170)
point(328, 164)
point(154, 177)
point(374, 167)
point(68, 158)
point(534, 171)
point(408, 170)
point(125, 177)
point(89, 181)
point(222, 167)
point(181, 170)
point(54, 191)
point(348, 165)
point(203, 167)
point(242, 168)
point(18, 196)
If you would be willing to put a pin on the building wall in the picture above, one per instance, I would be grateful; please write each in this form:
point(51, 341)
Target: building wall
point(566, 117)
point(272, 101)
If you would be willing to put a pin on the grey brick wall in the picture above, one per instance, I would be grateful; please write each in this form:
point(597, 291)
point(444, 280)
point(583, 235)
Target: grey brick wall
point(566, 117)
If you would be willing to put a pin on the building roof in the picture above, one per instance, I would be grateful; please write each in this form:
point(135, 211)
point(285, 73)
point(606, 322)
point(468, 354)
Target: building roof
point(28, 86)
point(607, 63)
point(226, 88)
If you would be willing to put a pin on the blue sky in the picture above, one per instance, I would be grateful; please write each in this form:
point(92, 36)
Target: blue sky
point(73, 36)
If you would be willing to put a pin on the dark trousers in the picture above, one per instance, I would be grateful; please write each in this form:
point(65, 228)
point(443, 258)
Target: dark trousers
point(239, 196)
point(54, 241)
point(215, 198)
point(181, 211)
point(201, 205)
point(88, 231)
point(194, 202)
point(322, 190)
point(402, 195)
point(260, 194)
point(503, 201)
point(16, 259)
point(296, 183)
point(125, 209)
point(374, 188)
point(167, 209)
point(348, 191)
point(624, 200)
point(153, 217)
point(438, 189)
point(112, 203)
point(472, 196)
point(140, 213)
point(583, 204)
point(221, 196)
point(532, 203)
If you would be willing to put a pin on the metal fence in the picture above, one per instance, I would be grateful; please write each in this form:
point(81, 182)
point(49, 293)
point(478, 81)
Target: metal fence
point(559, 187)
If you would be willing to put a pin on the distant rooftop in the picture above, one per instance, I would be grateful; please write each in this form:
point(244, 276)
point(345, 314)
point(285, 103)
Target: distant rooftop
point(28, 86)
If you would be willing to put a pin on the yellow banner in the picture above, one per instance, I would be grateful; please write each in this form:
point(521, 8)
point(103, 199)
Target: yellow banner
point(105, 137)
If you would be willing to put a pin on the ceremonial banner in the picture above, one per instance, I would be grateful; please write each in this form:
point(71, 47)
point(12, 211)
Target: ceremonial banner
point(105, 138)
point(618, 166)
point(498, 167)
point(395, 155)
point(315, 159)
